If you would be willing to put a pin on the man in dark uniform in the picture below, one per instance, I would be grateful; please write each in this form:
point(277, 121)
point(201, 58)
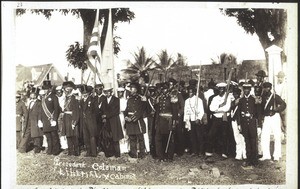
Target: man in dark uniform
point(99, 99)
point(247, 111)
point(111, 120)
point(134, 122)
point(21, 111)
point(88, 121)
point(70, 119)
point(164, 140)
point(50, 113)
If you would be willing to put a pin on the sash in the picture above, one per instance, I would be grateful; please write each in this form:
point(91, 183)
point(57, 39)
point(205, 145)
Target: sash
point(233, 112)
point(67, 103)
point(46, 110)
point(268, 101)
point(151, 105)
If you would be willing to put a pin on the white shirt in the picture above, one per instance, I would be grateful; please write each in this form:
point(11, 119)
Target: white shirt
point(123, 104)
point(192, 112)
point(208, 93)
point(214, 106)
point(280, 89)
point(108, 99)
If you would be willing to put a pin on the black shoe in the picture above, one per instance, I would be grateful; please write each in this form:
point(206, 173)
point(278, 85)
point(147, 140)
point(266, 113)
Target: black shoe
point(132, 155)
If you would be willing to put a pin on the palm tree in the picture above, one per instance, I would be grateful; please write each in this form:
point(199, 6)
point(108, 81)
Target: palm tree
point(141, 66)
point(166, 62)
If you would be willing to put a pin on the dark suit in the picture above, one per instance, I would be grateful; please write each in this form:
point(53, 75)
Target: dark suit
point(99, 101)
point(21, 111)
point(136, 128)
point(50, 101)
point(89, 125)
point(71, 117)
point(113, 125)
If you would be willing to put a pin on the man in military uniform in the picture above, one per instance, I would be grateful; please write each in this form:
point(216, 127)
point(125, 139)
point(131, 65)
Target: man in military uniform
point(134, 122)
point(220, 108)
point(247, 111)
point(50, 113)
point(273, 105)
point(88, 121)
point(70, 119)
point(21, 111)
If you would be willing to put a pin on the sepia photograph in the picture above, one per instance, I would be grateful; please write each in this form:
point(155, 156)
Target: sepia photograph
point(149, 95)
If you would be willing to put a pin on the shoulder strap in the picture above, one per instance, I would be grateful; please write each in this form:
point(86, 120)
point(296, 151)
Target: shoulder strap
point(46, 110)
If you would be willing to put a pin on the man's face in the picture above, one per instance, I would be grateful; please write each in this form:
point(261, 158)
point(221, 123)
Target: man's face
point(280, 80)
point(236, 95)
point(59, 93)
point(191, 93)
point(108, 93)
point(259, 78)
point(267, 90)
point(221, 91)
point(133, 91)
point(32, 96)
point(98, 90)
point(246, 91)
point(120, 94)
point(68, 90)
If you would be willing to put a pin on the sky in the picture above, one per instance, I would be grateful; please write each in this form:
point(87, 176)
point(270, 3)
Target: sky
point(199, 34)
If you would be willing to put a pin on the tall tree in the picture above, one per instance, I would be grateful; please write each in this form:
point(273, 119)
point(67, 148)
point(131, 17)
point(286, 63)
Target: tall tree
point(166, 62)
point(269, 24)
point(141, 66)
point(88, 18)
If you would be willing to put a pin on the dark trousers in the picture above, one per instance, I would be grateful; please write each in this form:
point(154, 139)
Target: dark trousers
point(24, 144)
point(90, 143)
point(137, 140)
point(249, 132)
point(53, 142)
point(18, 138)
point(197, 138)
point(73, 147)
point(179, 138)
point(161, 141)
point(38, 143)
point(218, 131)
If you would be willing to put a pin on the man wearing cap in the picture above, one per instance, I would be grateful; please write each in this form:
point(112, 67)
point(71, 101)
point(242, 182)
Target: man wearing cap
point(273, 105)
point(193, 113)
point(112, 123)
point(134, 122)
point(88, 121)
point(99, 99)
point(247, 111)
point(240, 148)
point(32, 124)
point(50, 113)
point(21, 111)
point(70, 119)
point(220, 108)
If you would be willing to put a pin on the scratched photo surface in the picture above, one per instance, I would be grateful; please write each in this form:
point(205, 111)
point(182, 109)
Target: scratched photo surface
point(150, 48)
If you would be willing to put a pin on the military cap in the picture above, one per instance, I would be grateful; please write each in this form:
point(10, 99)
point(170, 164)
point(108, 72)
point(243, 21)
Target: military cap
point(247, 85)
point(261, 73)
point(267, 85)
point(222, 84)
point(100, 85)
point(68, 84)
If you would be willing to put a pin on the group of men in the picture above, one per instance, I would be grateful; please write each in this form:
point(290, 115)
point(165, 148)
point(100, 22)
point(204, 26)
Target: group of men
point(163, 120)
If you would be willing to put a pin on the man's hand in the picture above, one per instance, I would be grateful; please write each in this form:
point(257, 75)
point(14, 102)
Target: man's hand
point(104, 120)
point(143, 98)
point(128, 119)
point(40, 124)
point(73, 126)
point(103, 116)
point(53, 123)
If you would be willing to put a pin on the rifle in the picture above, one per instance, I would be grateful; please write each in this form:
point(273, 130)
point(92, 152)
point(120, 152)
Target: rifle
point(227, 93)
point(197, 93)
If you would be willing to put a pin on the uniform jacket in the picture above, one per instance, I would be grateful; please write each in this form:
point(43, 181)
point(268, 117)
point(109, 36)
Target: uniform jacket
point(112, 111)
point(31, 119)
point(71, 116)
point(136, 107)
point(21, 111)
point(268, 105)
point(52, 104)
point(247, 110)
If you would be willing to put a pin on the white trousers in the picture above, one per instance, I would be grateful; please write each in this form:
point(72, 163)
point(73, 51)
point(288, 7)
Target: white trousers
point(271, 126)
point(146, 136)
point(240, 142)
point(124, 143)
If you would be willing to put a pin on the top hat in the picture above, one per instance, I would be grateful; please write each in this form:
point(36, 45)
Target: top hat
point(46, 84)
point(261, 73)
point(107, 86)
point(68, 84)
point(84, 89)
point(34, 90)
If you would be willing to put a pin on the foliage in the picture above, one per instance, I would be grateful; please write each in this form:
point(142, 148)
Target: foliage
point(76, 55)
point(165, 63)
point(263, 22)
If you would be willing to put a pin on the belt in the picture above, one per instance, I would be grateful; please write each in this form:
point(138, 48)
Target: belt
point(130, 113)
point(68, 112)
point(246, 114)
point(165, 114)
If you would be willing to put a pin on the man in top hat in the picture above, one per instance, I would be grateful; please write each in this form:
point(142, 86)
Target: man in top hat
point(134, 122)
point(50, 113)
point(32, 124)
point(260, 77)
point(124, 143)
point(99, 100)
point(88, 121)
point(220, 107)
point(247, 111)
point(70, 119)
point(21, 111)
point(273, 105)
point(112, 123)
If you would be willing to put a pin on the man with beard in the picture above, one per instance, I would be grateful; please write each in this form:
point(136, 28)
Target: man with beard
point(111, 121)
point(49, 117)
point(273, 105)
point(220, 108)
point(70, 119)
point(134, 122)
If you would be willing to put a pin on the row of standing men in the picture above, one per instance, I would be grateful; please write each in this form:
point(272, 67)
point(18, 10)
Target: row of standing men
point(172, 120)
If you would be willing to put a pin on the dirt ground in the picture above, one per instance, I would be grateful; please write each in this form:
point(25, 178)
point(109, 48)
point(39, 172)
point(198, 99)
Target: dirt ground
point(42, 169)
